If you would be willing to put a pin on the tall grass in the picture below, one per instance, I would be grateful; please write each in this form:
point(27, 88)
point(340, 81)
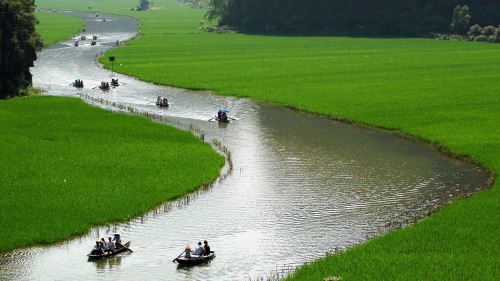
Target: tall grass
point(65, 166)
point(54, 27)
point(446, 92)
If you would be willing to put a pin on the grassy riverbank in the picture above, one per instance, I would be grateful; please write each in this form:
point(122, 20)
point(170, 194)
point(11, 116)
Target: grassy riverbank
point(446, 92)
point(55, 27)
point(66, 166)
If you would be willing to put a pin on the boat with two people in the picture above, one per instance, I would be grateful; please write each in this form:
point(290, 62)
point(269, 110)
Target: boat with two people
point(222, 116)
point(105, 249)
point(162, 102)
point(201, 254)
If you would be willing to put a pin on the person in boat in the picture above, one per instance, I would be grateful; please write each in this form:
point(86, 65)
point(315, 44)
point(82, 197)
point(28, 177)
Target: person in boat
point(105, 245)
point(199, 251)
point(187, 252)
point(111, 245)
point(114, 81)
point(223, 116)
point(206, 247)
point(118, 240)
point(97, 248)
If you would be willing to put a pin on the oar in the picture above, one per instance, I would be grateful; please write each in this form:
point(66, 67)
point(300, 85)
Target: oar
point(178, 256)
point(127, 248)
point(211, 119)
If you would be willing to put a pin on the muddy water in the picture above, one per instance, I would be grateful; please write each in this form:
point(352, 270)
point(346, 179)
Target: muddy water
point(300, 185)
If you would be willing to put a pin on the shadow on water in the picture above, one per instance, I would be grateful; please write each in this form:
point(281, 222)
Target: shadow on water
point(290, 177)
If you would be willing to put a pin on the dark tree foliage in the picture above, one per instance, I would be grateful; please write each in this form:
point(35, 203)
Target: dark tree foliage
point(18, 45)
point(143, 5)
point(390, 17)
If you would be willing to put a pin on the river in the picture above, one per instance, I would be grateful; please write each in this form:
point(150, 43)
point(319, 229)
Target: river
point(299, 186)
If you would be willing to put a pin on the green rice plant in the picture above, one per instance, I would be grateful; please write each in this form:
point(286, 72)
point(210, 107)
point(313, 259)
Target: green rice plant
point(66, 166)
point(55, 27)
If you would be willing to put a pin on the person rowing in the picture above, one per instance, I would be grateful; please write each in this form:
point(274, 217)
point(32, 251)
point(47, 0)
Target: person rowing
point(118, 240)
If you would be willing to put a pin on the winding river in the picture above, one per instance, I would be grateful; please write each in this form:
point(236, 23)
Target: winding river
point(299, 186)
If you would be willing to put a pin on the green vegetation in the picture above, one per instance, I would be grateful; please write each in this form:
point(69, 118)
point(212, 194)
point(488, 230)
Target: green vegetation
point(375, 17)
point(66, 166)
point(55, 27)
point(19, 43)
point(446, 92)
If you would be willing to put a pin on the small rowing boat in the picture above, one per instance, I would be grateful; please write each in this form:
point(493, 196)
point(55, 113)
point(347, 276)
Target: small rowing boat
point(194, 260)
point(110, 254)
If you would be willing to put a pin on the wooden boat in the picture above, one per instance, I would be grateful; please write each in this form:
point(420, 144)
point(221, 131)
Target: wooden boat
point(104, 86)
point(162, 102)
point(107, 255)
point(222, 120)
point(195, 260)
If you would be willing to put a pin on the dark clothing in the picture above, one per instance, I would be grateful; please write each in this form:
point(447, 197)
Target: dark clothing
point(207, 249)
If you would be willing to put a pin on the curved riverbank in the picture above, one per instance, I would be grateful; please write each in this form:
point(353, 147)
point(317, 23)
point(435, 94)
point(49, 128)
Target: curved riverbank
point(465, 124)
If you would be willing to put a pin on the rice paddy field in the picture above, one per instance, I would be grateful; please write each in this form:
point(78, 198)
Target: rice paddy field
point(55, 27)
point(444, 92)
point(66, 166)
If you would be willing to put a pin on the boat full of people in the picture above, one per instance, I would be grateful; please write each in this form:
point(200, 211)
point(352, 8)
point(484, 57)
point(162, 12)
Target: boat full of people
point(162, 101)
point(114, 82)
point(78, 83)
point(201, 254)
point(111, 247)
point(104, 86)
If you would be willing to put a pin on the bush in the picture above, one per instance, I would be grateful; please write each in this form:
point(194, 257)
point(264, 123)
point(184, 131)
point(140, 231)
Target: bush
point(497, 34)
point(475, 30)
point(481, 38)
point(488, 31)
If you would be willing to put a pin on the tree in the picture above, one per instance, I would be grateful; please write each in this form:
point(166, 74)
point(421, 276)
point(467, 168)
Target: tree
point(217, 9)
point(143, 5)
point(18, 45)
point(489, 30)
point(461, 20)
point(475, 30)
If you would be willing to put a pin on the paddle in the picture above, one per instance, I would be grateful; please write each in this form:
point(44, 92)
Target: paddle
point(127, 248)
point(178, 256)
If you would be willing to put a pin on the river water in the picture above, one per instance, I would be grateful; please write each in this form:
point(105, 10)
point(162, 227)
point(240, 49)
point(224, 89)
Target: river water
point(299, 185)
